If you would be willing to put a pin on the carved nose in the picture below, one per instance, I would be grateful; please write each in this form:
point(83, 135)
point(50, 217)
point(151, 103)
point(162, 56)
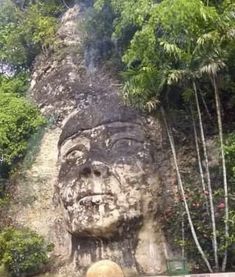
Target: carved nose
point(85, 171)
point(94, 169)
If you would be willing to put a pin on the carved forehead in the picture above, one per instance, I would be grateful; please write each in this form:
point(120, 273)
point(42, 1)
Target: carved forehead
point(109, 133)
point(92, 114)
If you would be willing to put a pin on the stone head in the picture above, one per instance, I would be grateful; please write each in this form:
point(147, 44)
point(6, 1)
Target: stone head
point(108, 181)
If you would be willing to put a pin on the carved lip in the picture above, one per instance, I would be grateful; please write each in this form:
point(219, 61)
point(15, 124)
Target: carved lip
point(93, 197)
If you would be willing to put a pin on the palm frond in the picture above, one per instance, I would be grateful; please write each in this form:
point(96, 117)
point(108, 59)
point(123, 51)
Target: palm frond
point(210, 37)
point(171, 49)
point(152, 104)
point(213, 67)
point(175, 76)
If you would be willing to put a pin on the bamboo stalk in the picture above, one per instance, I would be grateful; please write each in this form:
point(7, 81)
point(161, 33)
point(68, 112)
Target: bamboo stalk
point(181, 187)
point(220, 127)
point(212, 210)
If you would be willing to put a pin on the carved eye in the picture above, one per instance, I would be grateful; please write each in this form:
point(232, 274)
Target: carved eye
point(76, 155)
point(125, 143)
point(121, 142)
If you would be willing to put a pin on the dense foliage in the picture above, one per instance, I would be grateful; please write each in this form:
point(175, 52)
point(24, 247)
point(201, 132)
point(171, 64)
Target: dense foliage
point(171, 41)
point(19, 119)
point(179, 233)
point(175, 216)
point(17, 84)
point(26, 30)
point(23, 252)
point(16, 127)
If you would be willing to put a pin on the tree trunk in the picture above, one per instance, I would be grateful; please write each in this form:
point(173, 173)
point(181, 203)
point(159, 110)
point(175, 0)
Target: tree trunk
point(181, 187)
point(200, 162)
point(220, 127)
point(198, 153)
point(205, 105)
point(212, 210)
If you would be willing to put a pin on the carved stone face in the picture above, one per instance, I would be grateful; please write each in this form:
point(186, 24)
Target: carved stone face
point(107, 182)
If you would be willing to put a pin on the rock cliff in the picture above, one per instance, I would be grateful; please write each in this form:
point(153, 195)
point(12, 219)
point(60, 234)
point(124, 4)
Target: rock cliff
point(101, 179)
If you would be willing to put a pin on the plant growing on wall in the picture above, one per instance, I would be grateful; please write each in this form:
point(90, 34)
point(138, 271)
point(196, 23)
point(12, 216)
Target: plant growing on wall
point(23, 252)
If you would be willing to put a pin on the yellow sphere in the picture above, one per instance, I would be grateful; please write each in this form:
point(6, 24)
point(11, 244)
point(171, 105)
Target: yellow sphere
point(105, 268)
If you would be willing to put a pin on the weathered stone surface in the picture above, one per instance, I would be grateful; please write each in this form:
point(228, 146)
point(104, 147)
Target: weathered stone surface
point(33, 206)
point(56, 75)
point(112, 167)
point(109, 184)
point(105, 268)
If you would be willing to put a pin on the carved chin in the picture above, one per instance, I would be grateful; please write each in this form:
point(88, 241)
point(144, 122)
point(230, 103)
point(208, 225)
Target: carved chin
point(97, 227)
point(96, 221)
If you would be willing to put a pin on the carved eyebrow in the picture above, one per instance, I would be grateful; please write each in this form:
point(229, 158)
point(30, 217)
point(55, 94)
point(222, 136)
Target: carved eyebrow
point(82, 134)
point(80, 147)
point(131, 138)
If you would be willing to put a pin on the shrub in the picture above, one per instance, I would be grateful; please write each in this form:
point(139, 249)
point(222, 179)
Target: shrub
point(23, 252)
point(18, 121)
point(17, 84)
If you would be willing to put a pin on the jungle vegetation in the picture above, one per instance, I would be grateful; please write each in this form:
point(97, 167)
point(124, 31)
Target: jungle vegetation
point(176, 58)
point(27, 28)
